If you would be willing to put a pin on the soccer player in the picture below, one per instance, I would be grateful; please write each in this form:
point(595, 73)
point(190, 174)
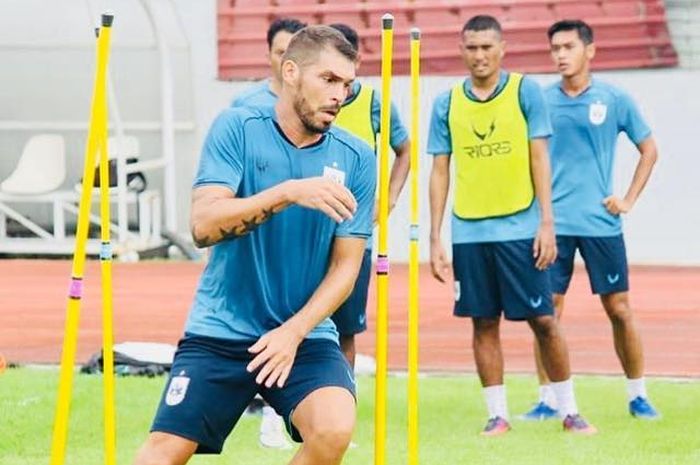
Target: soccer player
point(286, 202)
point(494, 125)
point(360, 116)
point(587, 117)
point(265, 92)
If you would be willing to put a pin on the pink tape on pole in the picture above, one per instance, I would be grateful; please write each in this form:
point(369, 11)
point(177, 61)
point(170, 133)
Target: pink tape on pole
point(76, 288)
point(382, 264)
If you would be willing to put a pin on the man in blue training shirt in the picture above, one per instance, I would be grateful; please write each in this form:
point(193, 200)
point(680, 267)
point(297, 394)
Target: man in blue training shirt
point(587, 117)
point(494, 125)
point(261, 95)
point(265, 92)
point(360, 115)
point(286, 202)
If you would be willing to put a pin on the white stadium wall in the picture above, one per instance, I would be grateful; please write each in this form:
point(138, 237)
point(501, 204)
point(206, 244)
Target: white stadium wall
point(664, 227)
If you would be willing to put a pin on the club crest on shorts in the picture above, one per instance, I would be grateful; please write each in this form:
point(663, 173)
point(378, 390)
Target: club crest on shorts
point(597, 113)
point(177, 389)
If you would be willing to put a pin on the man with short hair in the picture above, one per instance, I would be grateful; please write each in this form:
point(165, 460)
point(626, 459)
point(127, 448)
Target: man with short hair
point(261, 95)
point(265, 92)
point(276, 188)
point(587, 116)
point(494, 125)
point(360, 115)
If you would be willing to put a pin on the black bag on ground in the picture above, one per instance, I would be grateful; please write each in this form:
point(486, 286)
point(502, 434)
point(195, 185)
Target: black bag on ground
point(135, 359)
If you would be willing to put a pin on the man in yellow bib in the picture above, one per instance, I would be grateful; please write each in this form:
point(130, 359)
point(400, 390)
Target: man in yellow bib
point(494, 125)
point(359, 115)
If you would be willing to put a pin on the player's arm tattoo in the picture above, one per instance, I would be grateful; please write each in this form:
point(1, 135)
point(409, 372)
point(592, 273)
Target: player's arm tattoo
point(242, 228)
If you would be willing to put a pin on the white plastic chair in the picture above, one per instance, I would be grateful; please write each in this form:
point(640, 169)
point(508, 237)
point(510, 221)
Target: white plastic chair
point(127, 145)
point(40, 169)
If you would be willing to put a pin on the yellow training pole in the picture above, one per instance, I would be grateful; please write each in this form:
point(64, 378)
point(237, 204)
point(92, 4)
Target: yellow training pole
point(106, 268)
point(60, 432)
point(413, 256)
point(382, 257)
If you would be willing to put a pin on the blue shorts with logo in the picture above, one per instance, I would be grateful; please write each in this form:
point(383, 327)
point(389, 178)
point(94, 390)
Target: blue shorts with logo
point(209, 387)
point(605, 259)
point(351, 316)
point(500, 277)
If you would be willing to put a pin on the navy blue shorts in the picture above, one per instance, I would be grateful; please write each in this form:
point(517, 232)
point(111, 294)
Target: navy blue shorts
point(605, 259)
point(351, 316)
point(495, 277)
point(209, 387)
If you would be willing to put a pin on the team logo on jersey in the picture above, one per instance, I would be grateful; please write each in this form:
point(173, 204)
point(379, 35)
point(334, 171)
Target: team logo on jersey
point(262, 165)
point(177, 389)
point(458, 291)
point(486, 134)
point(334, 174)
point(597, 113)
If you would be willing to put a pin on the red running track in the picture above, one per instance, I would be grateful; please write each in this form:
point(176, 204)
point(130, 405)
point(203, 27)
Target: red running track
point(151, 300)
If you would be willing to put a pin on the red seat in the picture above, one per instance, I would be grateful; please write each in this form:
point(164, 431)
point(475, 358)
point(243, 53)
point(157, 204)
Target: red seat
point(578, 10)
point(443, 17)
point(247, 3)
point(353, 20)
point(622, 9)
point(296, 2)
point(629, 33)
point(525, 12)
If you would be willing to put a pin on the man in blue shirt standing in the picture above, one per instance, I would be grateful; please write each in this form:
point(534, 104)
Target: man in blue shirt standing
point(494, 126)
point(360, 116)
point(286, 202)
point(265, 92)
point(587, 117)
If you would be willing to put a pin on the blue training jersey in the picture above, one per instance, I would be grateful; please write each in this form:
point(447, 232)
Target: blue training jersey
point(522, 225)
point(254, 283)
point(258, 95)
point(582, 148)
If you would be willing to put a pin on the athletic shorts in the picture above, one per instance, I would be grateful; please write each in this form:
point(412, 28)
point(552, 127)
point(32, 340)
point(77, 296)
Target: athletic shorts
point(605, 259)
point(209, 387)
point(500, 277)
point(351, 316)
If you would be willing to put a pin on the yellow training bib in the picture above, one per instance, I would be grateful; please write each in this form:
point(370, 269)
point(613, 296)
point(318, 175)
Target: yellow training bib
point(491, 151)
point(356, 116)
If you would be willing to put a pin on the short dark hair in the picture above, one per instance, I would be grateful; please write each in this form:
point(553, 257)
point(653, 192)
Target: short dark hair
point(585, 33)
point(349, 33)
point(482, 23)
point(306, 44)
point(290, 25)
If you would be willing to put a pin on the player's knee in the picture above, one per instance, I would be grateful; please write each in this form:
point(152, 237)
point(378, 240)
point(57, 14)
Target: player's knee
point(544, 327)
point(159, 450)
point(149, 455)
point(330, 440)
point(486, 326)
point(618, 309)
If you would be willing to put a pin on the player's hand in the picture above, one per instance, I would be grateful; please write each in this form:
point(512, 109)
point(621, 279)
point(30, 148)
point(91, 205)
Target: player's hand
point(438, 260)
point(326, 195)
point(544, 248)
point(275, 351)
point(616, 205)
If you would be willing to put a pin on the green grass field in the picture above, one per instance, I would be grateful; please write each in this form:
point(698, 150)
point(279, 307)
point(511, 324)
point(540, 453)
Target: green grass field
point(451, 414)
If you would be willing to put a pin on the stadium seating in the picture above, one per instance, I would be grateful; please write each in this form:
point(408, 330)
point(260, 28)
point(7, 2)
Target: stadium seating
point(629, 33)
